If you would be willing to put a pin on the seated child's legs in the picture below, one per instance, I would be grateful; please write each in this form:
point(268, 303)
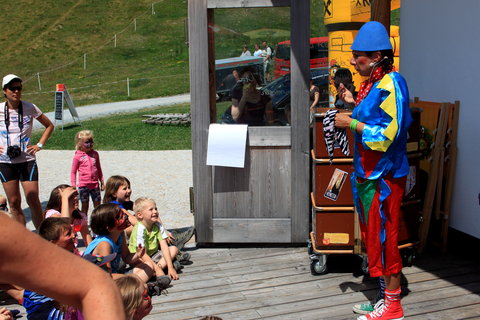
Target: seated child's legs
point(173, 253)
point(145, 270)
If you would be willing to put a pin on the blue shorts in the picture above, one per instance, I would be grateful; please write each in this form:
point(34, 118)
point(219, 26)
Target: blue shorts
point(84, 193)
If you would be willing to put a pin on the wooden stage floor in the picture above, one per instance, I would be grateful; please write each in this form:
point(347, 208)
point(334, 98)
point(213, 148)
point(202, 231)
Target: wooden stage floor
point(276, 283)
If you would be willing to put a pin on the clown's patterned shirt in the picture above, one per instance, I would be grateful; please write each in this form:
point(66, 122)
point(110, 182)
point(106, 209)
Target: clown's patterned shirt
point(381, 148)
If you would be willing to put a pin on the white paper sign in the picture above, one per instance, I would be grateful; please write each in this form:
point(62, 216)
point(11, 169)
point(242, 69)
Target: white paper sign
point(226, 145)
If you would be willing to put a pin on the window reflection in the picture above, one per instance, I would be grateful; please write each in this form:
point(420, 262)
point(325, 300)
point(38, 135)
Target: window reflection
point(252, 50)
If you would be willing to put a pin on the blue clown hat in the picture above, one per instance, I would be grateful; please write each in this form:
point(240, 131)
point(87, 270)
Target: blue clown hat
point(372, 36)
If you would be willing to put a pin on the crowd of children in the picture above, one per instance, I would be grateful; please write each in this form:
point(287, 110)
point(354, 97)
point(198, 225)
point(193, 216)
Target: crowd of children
point(126, 239)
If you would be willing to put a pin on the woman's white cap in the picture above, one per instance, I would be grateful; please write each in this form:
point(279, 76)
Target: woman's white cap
point(9, 78)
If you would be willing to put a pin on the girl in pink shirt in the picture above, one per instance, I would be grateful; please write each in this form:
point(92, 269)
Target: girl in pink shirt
point(87, 162)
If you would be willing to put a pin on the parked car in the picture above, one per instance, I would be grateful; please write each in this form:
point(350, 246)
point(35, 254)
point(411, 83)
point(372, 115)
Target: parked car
point(279, 91)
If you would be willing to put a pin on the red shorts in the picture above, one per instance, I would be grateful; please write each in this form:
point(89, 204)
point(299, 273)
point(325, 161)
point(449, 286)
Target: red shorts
point(382, 226)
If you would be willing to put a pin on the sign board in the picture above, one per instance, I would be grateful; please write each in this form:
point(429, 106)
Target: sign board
point(62, 95)
point(59, 105)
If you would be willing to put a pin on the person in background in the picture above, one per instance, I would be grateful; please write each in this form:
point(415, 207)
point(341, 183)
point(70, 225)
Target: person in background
point(252, 107)
point(314, 95)
point(258, 52)
point(87, 163)
point(380, 123)
point(245, 52)
point(65, 277)
point(343, 76)
point(17, 153)
point(267, 60)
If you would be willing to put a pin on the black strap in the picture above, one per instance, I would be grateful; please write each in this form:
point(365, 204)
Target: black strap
point(7, 121)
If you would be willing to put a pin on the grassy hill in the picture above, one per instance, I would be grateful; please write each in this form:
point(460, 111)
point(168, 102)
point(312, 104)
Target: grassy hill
point(95, 46)
point(73, 42)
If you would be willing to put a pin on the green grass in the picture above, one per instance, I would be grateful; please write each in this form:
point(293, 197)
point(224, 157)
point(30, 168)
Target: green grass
point(125, 132)
point(154, 56)
point(49, 38)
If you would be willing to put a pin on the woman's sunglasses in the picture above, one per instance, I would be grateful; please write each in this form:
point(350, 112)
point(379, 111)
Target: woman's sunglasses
point(13, 89)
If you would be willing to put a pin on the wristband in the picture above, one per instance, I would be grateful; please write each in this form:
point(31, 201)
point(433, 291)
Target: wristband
point(40, 145)
point(353, 125)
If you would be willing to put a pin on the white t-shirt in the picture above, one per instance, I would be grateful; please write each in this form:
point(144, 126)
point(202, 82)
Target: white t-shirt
point(258, 53)
point(30, 111)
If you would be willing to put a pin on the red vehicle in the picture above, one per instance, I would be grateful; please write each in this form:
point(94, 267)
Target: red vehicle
point(318, 55)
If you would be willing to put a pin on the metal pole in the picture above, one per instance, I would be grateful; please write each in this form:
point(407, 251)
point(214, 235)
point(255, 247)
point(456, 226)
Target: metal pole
point(39, 84)
point(128, 87)
point(135, 24)
point(84, 61)
point(153, 9)
point(115, 41)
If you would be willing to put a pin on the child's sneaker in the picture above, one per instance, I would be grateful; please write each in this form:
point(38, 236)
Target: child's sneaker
point(182, 236)
point(183, 257)
point(177, 266)
point(364, 308)
point(163, 282)
point(387, 311)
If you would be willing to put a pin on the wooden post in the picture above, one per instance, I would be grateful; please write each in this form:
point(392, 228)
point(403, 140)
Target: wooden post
point(39, 83)
point(211, 66)
point(380, 11)
point(200, 97)
point(300, 64)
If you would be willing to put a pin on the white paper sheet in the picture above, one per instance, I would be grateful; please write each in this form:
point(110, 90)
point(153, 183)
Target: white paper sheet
point(226, 145)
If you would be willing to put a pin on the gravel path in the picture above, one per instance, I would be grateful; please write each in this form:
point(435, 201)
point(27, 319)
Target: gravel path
point(165, 176)
point(97, 110)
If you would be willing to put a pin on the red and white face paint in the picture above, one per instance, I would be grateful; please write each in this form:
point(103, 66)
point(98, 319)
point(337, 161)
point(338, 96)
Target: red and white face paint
point(121, 220)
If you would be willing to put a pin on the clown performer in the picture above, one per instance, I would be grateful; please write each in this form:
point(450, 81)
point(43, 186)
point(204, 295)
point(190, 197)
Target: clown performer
point(380, 122)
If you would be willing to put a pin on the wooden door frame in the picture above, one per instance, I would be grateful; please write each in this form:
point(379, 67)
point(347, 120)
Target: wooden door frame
point(202, 71)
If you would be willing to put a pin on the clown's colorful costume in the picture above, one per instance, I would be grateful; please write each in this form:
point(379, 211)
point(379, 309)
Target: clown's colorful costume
point(381, 167)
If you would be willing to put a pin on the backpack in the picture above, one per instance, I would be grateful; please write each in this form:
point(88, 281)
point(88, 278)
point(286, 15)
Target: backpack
point(273, 53)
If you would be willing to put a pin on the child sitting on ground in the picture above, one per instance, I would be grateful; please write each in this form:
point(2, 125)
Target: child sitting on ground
point(63, 202)
point(136, 301)
point(109, 221)
point(118, 190)
point(150, 234)
point(58, 231)
point(87, 162)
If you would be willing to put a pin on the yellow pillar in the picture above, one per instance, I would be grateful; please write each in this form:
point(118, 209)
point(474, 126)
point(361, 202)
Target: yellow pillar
point(343, 19)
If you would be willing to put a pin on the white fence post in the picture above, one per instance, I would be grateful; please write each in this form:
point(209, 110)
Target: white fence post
point(135, 24)
point(39, 84)
point(128, 87)
point(153, 9)
point(115, 41)
point(84, 61)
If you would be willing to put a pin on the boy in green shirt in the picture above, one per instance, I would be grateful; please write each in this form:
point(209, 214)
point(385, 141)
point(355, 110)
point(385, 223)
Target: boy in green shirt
point(151, 234)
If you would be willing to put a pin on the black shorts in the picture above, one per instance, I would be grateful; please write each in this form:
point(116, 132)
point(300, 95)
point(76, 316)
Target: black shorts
point(25, 171)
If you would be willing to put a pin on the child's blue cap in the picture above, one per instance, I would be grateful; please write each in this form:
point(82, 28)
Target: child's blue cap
point(372, 36)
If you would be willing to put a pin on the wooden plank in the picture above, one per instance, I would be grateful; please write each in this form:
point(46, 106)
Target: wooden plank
point(217, 4)
point(300, 72)
point(252, 230)
point(199, 91)
point(269, 136)
point(260, 190)
point(433, 175)
point(450, 172)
